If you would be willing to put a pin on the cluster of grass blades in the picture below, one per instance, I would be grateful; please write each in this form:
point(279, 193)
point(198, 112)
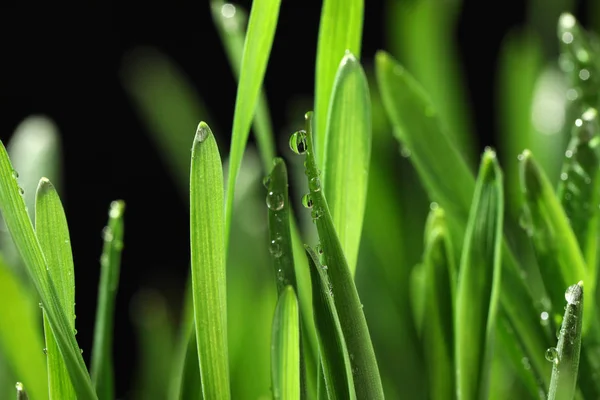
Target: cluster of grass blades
point(495, 300)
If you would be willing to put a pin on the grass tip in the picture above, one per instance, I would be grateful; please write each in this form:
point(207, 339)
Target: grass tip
point(45, 185)
point(202, 132)
point(349, 58)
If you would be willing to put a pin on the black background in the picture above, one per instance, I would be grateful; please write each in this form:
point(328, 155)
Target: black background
point(62, 60)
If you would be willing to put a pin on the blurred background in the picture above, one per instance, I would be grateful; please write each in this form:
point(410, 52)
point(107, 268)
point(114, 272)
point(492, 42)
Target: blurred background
point(89, 67)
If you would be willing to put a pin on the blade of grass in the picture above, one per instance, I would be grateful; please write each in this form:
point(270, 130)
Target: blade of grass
point(449, 182)
point(340, 30)
point(334, 358)
point(257, 48)
point(566, 356)
point(208, 263)
point(53, 235)
point(285, 347)
point(479, 283)
point(418, 296)
point(352, 318)
point(21, 340)
point(230, 21)
point(21, 393)
point(348, 154)
point(102, 363)
point(438, 327)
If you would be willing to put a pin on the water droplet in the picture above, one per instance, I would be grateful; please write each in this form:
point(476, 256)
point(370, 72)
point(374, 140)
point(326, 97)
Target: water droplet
point(228, 10)
point(275, 248)
point(107, 234)
point(578, 122)
point(433, 206)
point(526, 363)
point(266, 181)
point(15, 174)
point(40, 305)
point(201, 132)
point(307, 200)
point(21, 191)
point(552, 355)
point(275, 201)
point(298, 142)
point(45, 350)
point(319, 249)
point(584, 74)
point(104, 259)
point(572, 94)
point(280, 276)
point(81, 351)
point(567, 37)
point(568, 153)
point(405, 152)
point(314, 184)
point(544, 318)
point(573, 294)
point(75, 331)
point(324, 267)
point(315, 214)
point(564, 176)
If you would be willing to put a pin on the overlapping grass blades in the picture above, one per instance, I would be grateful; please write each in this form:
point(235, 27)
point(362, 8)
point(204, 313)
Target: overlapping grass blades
point(285, 347)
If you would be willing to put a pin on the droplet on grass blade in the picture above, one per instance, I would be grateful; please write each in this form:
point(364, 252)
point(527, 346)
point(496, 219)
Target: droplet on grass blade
point(307, 201)
point(298, 142)
point(552, 355)
point(275, 201)
point(573, 293)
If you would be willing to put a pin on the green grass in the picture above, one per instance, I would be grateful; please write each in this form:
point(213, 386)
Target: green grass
point(399, 270)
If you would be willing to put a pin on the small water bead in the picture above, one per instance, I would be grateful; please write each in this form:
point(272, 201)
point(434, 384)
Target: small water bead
point(201, 132)
point(275, 201)
point(275, 248)
point(572, 94)
point(567, 37)
point(15, 174)
point(433, 206)
point(584, 74)
point(266, 181)
point(40, 305)
point(307, 200)
point(564, 176)
point(405, 152)
point(315, 214)
point(569, 153)
point(107, 234)
point(314, 184)
point(552, 355)
point(298, 142)
point(280, 276)
point(21, 191)
point(544, 316)
point(324, 267)
point(45, 350)
point(526, 363)
point(319, 249)
point(574, 293)
point(81, 351)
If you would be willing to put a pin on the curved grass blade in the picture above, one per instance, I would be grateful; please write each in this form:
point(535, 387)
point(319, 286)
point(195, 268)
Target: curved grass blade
point(352, 318)
point(418, 296)
point(53, 235)
point(285, 347)
point(166, 103)
point(230, 21)
point(438, 327)
point(555, 244)
point(566, 356)
point(21, 393)
point(21, 340)
point(102, 364)
point(449, 182)
point(340, 30)
point(257, 48)
point(479, 283)
point(348, 154)
point(335, 368)
point(208, 263)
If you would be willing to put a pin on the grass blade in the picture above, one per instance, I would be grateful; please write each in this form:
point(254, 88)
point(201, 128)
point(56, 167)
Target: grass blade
point(478, 283)
point(257, 48)
point(231, 21)
point(352, 318)
point(438, 329)
point(555, 244)
point(418, 296)
point(208, 263)
point(285, 350)
point(348, 154)
point(566, 356)
point(334, 359)
point(22, 342)
point(53, 235)
point(21, 393)
point(340, 30)
point(102, 364)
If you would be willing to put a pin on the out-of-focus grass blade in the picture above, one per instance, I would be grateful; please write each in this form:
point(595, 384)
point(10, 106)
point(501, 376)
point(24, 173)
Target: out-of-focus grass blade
point(167, 105)
point(257, 48)
point(449, 182)
point(285, 350)
point(579, 189)
point(53, 234)
point(334, 358)
point(230, 21)
point(340, 30)
point(110, 262)
point(352, 318)
point(555, 244)
point(479, 283)
point(566, 356)
point(208, 263)
point(418, 295)
point(439, 293)
point(21, 393)
point(35, 151)
point(421, 34)
point(348, 154)
point(21, 339)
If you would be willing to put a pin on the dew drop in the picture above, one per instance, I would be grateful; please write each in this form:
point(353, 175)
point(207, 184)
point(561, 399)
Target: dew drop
point(201, 132)
point(572, 94)
point(45, 350)
point(433, 206)
point(584, 74)
point(567, 37)
point(40, 305)
point(552, 355)
point(568, 153)
point(315, 214)
point(275, 201)
point(564, 176)
point(405, 152)
point(526, 363)
point(544, 318)
point(324, 267)
point(573, 294)
point(280, 276)
point(21, 191)
point(107, 234)
point(314, 184)
point(319, 249)
point(81, 351)
point(298, 142)
point(266, 181)
point(275, 248)
point(75, 331)
point(578, 122)
point(307, 200)
point(15, 174)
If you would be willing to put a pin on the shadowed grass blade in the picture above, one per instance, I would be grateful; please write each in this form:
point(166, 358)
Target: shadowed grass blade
point(334, 359)
point(257, 48)
point(53, 235)
point(348, 154)
point(21, 339)
point(110, 262)
point(21, 393)
point(566, 356)
point(479, 283)
point(418, 296)
point(208, 263)
point(285, 347)
point(230, 21)
point(340, 30)
point(449, 182)
point(439, 293)
point(352, 318)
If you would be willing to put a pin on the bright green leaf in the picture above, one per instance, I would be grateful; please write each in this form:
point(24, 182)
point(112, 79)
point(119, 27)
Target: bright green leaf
point(285, 347)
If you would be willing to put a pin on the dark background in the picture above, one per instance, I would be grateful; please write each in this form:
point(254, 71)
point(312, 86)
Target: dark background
point(62, 60)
